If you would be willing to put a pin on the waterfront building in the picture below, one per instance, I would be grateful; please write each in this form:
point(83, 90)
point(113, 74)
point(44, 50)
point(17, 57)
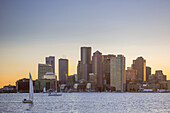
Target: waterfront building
point(76, 77)
point(85, 63)
point(22, 85)
point(97, 68)
point(63, 69)
point(43, 69)
point(140, 66)
point(118, 73)
point(148, 72)
point(148, 87)
point(92, 78)
point(40, 84)
point(106, 69)
point(168, 85)
point(70, 81)
point(133, 87)
point(51, 60)
point(93, 81)
point(79, 87)
point(9, 89)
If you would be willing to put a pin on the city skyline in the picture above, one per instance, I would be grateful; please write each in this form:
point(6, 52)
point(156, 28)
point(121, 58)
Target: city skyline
point(33, 30)
point(44, 63)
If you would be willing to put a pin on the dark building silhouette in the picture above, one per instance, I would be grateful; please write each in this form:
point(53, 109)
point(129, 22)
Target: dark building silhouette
point(97, 69)
point(63, 69)
point(140, 66)
point(51, 60)
point(9, 89)
point(148, 72)
point(22, 85)
point(79, 73)
point(106, 69)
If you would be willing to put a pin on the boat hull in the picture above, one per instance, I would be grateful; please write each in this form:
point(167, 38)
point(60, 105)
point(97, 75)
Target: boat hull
point(55, 95)
point(27, 101)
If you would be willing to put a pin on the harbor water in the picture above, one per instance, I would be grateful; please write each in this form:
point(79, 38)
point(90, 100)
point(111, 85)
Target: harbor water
point(87, 103)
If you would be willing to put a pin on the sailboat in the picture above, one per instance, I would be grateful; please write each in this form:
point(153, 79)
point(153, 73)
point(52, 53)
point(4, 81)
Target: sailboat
point(44, 90)
point(31, 91)
point(55, 93)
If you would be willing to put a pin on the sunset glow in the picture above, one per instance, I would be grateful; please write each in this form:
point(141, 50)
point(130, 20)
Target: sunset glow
point(32, 30)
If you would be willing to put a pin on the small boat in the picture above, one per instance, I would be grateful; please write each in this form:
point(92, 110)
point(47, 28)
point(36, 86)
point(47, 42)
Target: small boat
point(51, 93)
point(31, 91)
point(54, 94)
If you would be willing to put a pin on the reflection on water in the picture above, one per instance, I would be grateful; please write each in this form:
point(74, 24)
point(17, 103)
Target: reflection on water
point(87, 102)
point(30, 106)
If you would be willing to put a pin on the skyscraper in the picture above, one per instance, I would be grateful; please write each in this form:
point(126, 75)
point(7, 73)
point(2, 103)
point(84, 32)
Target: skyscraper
point(118, 73)
point(85, 63)
point(43, 69)
point(140, 66)
point(63, 69)
point(106, 69)
point(51, 60)
point(97, 68)
point(86, 55)
point(148, 72)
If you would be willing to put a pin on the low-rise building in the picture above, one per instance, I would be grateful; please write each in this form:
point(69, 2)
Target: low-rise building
point(157, 77)
point(22, 85)
point(70, 81)
point(45, 83)
point(148, 87)
point(79, 87)
point(168, 84)
point(133, 87)
point(93, 81)
point(9, 89)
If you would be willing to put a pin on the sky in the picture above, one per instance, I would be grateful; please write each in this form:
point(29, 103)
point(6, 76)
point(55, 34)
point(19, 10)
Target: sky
point(34, 29)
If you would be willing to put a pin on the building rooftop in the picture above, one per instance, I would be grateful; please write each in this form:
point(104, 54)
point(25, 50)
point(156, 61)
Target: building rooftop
point(98, 52)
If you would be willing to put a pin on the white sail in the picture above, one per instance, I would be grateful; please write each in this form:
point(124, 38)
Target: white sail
point(31, 89)
point(44, 90)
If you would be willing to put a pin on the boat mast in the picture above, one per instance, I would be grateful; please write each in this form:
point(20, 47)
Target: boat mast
point(31, 90)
